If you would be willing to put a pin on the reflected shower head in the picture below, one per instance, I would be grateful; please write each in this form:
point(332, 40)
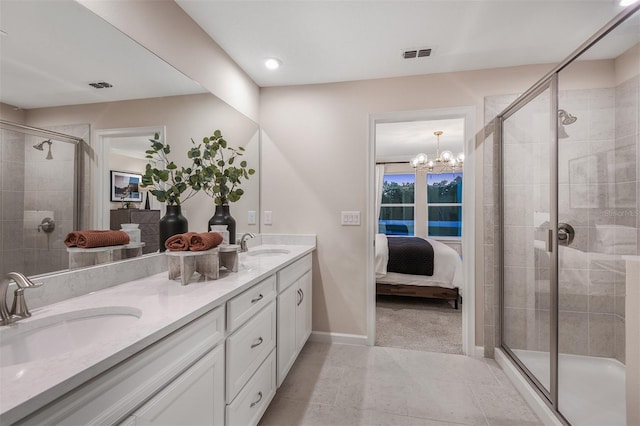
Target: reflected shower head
point(40, 147)
point(566, 118)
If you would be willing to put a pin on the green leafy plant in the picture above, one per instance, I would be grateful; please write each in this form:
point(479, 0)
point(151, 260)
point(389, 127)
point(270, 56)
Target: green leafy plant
point(169, 183)
point(217, 170)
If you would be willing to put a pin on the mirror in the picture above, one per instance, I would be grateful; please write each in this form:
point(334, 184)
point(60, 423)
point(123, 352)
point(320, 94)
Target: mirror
point(46, 68)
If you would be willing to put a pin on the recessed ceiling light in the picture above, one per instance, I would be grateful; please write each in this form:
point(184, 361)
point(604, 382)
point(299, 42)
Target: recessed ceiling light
point(272, 63)
point(627, 2)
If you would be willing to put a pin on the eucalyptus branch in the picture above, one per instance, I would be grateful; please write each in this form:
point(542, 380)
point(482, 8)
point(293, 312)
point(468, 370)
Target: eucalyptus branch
point(212, 173)
point(168, 184)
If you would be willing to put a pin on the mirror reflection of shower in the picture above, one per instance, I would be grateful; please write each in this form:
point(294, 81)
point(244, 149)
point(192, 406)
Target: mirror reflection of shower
point(564, 119)
point(40, 147)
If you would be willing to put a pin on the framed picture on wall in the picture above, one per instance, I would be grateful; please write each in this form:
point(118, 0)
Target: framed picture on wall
point(125, 187)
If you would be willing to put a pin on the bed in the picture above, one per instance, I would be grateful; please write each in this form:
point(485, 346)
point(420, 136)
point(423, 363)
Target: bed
point(444, 282)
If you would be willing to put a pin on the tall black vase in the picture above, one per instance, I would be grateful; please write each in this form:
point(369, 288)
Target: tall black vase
point(222, 217)
point(172, 223)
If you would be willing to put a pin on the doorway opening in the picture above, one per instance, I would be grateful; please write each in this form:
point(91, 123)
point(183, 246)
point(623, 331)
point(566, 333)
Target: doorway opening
point(121, 150)
point(424, 213)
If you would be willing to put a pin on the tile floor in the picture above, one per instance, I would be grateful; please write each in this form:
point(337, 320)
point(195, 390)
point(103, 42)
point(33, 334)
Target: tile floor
point(340, 385)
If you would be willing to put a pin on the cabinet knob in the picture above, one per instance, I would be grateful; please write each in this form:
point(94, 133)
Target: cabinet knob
point(257, 299)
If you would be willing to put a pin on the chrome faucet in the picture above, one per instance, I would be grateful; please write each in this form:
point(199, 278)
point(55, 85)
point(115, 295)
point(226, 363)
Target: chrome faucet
point(243, 241)
point(19, 308)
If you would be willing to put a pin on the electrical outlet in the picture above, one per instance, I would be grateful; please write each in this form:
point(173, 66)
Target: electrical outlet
point(251, 217)
point(268, 217)
point(350, 218)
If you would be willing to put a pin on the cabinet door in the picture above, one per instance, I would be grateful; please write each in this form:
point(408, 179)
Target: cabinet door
point(303, 311)
point(286, 336)
point(196, 397)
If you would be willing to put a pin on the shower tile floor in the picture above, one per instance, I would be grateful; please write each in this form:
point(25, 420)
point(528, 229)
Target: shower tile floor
point(336, 384)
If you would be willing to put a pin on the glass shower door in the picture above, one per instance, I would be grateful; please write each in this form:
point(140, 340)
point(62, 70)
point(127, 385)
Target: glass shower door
point(527, 139)
point(598, 192)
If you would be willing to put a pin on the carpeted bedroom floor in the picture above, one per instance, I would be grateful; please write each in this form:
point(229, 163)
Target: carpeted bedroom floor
point(420, 324)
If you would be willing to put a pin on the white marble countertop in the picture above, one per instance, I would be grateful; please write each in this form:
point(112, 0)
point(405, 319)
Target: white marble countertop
point(165, 306)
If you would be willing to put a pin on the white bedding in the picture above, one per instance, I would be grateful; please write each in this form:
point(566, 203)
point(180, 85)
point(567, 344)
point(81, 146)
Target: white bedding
point(447, 267)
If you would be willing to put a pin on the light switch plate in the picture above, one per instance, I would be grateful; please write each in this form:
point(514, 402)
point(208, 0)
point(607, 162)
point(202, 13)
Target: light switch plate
point(350, 218)
point(251, 217)
point(268, 217)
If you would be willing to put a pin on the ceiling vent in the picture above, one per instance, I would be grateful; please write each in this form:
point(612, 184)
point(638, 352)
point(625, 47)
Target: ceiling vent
point(416, 53)
point(100, 85)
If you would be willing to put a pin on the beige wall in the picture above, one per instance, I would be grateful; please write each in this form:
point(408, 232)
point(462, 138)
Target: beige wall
point(314, 165)
point(626, 65)
point(11, 113)
point(166, 30)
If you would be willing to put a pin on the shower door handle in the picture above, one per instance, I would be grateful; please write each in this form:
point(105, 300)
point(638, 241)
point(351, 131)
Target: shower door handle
point(566, 234)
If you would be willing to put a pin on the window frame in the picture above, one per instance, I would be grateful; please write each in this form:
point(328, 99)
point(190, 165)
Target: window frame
point(412, 205)
point(428, 204)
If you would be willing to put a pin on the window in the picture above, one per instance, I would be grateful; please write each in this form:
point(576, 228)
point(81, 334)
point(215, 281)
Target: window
point(397, 207)
point(444, 205)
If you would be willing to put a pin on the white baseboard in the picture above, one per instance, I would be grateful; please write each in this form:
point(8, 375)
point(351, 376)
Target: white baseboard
point(532, 398)
point(326, 337)
point(478, 352)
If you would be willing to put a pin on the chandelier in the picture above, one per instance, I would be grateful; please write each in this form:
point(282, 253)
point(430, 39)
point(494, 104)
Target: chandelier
point(443, 162)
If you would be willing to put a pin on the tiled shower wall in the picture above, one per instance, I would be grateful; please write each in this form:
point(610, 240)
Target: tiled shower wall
point(598, 193)
point(12, 172)
point(34, 188)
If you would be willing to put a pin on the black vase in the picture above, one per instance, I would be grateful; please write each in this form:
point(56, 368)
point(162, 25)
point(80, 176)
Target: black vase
point(222, 217)
point(172, 223)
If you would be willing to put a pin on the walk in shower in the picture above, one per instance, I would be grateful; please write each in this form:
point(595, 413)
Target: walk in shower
point(569, 223)
point(40, 175)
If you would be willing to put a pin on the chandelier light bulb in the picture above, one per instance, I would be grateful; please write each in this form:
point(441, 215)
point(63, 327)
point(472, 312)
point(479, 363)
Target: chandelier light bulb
point(442, 162)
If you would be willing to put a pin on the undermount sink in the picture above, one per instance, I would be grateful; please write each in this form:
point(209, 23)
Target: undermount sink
point(268, 252)
point(37, 339)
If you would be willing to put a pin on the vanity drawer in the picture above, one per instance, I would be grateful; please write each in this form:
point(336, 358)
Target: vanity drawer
point(245, 305)
point(251, 403)
point(248, 347)
point(289, 274)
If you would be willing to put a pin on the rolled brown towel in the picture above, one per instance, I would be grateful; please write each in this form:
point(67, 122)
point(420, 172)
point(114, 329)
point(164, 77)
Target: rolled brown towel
point(71, 240)
point(178, 242)
point(204, 241)
point(96, 238)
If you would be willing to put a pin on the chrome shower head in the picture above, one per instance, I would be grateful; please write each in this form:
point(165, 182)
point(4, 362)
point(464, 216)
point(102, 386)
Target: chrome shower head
point(566, 118)
point(40, 147)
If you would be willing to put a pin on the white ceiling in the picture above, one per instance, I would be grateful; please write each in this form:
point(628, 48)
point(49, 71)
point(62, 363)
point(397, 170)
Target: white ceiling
point(53, 49)
point(330, 41)
point(400, 142)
